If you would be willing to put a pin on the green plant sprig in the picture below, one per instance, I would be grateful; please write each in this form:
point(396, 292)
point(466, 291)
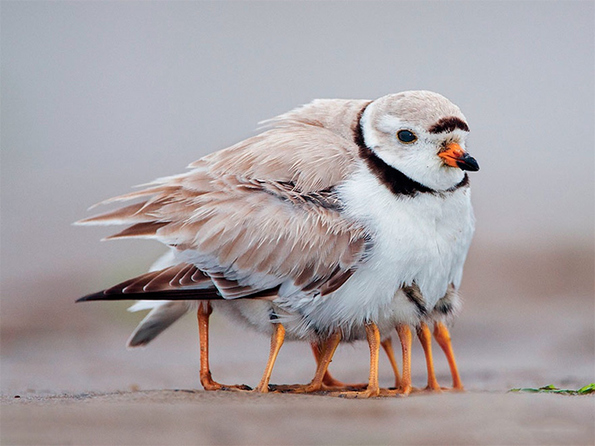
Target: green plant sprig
point(586, 390)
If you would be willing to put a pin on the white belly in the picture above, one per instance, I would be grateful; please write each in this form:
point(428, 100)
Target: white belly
point(422, 239)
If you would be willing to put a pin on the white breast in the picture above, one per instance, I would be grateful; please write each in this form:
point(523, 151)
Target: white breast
point(422, 239)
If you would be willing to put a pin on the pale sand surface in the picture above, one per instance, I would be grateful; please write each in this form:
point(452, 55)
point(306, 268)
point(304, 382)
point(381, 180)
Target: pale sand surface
point(180, 418)
point(528, 321)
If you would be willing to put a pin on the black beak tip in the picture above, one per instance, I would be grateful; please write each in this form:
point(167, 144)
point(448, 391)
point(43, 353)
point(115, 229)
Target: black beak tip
point(468, 163)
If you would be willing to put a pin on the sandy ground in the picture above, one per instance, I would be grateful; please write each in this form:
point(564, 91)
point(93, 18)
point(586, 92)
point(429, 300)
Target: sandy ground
point(528, 321)
point(170, 417)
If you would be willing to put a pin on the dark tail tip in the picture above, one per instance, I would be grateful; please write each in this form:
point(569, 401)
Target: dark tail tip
point(95, 296)
point(113, 294)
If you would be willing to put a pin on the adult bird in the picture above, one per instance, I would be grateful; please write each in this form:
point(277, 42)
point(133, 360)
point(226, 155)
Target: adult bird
point(351, 216)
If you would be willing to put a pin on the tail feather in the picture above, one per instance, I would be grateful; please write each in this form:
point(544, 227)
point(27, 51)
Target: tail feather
point(170, 283)
point(200, 294)
point(159, 319)
point(146, 305)
point(178, 282)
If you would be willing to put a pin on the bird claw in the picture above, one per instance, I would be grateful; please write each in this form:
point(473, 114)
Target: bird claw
point(211, 386)
point(354, 394)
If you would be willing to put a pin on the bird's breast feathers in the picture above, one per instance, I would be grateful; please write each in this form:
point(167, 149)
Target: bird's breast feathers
point(422, 238)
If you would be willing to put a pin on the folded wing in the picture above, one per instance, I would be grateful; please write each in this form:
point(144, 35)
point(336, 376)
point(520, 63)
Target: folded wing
point(257, 219)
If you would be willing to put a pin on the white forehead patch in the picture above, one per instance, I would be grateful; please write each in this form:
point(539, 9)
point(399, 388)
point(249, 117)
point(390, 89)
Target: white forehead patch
point(388, 123)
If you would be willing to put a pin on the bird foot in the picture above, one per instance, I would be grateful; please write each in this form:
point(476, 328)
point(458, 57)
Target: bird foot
point(427, 389)
point(401, 391)
point(213, 385)
point(310, 388)
point(294, 388)
point(367, 393)
point(334, 384)
point(343, 387)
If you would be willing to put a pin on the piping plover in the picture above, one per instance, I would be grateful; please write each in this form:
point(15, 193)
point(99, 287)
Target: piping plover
point(350, 215)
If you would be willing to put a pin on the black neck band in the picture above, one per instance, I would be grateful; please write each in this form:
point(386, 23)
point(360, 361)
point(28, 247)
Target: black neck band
point(395, 180)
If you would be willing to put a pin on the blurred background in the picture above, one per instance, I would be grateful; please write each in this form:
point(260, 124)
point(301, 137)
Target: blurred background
point(100, 96)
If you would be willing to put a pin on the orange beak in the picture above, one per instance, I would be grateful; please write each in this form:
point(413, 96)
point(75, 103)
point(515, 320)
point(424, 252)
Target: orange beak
point(454, 156)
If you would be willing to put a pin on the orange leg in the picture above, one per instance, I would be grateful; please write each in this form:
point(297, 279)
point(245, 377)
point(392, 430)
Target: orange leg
point(325, 356)
point(328, 381)
point(405, 337)
point(203, 314)
point(442, 336)
point(328, 350)
point(276, 343)
point(425, 337)
point(373, 388)
point(387, 345)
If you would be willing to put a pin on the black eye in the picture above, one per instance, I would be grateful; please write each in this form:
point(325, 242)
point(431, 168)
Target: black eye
point(406, 136)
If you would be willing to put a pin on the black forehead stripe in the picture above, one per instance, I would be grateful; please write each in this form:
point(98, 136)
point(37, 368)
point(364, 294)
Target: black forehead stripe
point(448, 125)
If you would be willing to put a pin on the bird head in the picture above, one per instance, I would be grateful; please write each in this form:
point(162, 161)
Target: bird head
point(422, 134)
